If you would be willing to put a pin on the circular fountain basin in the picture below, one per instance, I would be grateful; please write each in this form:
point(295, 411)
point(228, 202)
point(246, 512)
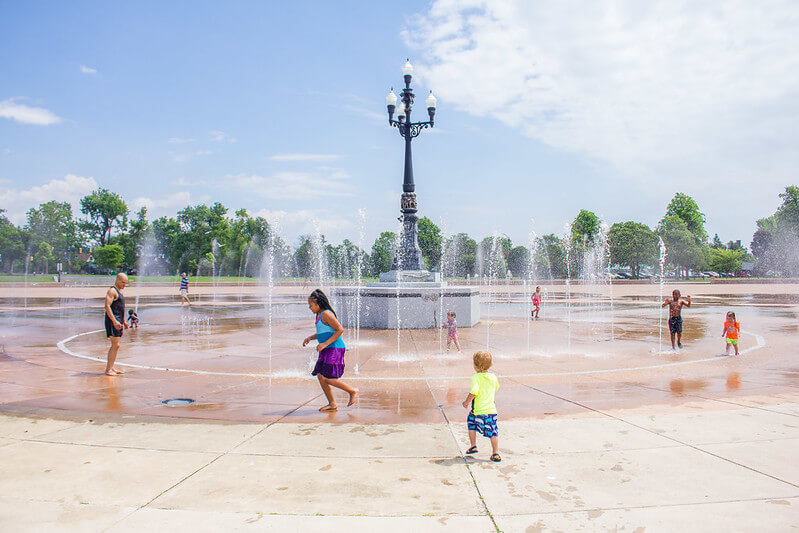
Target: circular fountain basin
point(223, 354)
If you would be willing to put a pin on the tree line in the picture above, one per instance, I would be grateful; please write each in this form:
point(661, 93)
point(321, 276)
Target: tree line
point(209, 240)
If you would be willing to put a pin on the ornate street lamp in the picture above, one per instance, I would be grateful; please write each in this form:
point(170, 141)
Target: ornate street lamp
point(409, 256)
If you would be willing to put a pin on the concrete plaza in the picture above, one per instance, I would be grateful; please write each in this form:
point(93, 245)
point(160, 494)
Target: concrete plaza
point(631, 441)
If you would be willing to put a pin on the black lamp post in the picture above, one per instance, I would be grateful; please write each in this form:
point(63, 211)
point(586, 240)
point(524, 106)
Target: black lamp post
point(409, 256)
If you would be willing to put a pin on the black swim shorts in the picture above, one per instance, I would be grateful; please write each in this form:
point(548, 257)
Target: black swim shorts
point(110, 330)
point(675, 324)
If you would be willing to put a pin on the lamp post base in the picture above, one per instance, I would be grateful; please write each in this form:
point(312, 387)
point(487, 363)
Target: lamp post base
point(410, 276)
point(409, 256)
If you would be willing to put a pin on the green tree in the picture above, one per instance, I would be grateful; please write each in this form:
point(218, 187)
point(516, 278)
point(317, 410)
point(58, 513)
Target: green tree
point(347, 255)
point(105, 210)
point(248, 239)
point(717, 242)
point(776, 240)
point(109, 256)
point(686, 208)
point(202, 226)
point(725, 261)
point(171, 240)
point(519, 261)
point(12, 245)
point(632, 244)
point(735, 245)
point(550, 256)
point(430, 243)
point(303, 257)
point(43, 257)
point(132, 240)
point(383, 251)
point(585, 228)
point(52, 222)
point(491, 254)
point(460, 252)
point(788, 212)
point(682, 249)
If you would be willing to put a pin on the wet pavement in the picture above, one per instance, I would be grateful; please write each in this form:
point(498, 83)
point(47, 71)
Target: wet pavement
point(587, 351)
point(602, 427)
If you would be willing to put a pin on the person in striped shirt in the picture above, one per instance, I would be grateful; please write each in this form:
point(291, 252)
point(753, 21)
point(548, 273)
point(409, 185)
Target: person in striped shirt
point(184, 289)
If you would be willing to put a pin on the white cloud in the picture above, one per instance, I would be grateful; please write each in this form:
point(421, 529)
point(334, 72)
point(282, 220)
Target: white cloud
point(70, 188)
point(179, 140)
point(203, 152)
point(180, 158)
point(291, 224)
point(168, 204)
point(328, 182)
point(220, 137)
point(690, 92)
point(367, 112)
point(305, 157)
point(27, 115)
point(87, 70)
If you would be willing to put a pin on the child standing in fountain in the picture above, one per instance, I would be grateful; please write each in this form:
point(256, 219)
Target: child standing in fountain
point(483, 414)
point(536, 303)
point(675, 316)
point(452, 330)
point(133, 319)
point(731, 330)
point(330, 364)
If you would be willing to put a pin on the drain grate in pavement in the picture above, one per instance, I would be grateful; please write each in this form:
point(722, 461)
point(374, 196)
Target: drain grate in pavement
point(177, 402)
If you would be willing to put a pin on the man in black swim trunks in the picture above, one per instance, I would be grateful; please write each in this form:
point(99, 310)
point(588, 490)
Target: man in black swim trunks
point(115, 322)
point(675, 316)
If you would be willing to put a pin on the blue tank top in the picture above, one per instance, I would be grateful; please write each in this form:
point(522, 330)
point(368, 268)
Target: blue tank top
point(324, 332)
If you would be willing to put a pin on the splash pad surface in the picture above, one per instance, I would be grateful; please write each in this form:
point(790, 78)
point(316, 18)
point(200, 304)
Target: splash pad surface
point(585, 350)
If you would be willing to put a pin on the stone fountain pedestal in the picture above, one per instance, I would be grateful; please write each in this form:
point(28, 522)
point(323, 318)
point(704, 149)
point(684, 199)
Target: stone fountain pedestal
point(407, 305)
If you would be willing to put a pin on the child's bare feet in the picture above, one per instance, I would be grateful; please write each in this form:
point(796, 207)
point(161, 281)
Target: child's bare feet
point(329, 407)
point(113, 372)
point(353, 398)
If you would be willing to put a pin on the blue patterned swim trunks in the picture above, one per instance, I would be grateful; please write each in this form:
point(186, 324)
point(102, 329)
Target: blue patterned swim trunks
point(485, 425)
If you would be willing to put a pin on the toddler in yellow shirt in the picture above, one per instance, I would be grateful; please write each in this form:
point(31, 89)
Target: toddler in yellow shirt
point(483, 414)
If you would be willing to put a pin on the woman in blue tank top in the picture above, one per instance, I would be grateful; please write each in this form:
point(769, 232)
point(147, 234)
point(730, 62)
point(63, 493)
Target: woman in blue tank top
point(330, 364)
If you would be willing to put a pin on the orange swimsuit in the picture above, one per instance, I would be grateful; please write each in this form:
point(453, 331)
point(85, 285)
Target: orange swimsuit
point(731, 330)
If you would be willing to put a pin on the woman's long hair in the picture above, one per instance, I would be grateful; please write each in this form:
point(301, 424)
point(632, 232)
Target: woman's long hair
point(320, 298)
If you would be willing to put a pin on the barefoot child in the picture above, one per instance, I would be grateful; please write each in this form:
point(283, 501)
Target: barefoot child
point(133, 319)
point(184, 290)
point(452, 330)
point(675, 316)
point(483, 413)
point(330, 364)
point(536, 302)
point(731, 330)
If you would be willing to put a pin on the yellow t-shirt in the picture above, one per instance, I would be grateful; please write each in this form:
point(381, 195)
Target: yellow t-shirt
point(484, 386)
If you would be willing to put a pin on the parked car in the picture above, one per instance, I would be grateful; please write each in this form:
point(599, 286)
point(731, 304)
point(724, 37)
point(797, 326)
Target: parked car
point(711, 274)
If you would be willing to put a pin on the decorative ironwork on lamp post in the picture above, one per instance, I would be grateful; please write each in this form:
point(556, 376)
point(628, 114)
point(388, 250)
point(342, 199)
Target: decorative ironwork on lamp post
point(409, 257)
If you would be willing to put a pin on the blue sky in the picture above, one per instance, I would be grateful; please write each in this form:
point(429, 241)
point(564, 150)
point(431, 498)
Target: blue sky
point(279, 108)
